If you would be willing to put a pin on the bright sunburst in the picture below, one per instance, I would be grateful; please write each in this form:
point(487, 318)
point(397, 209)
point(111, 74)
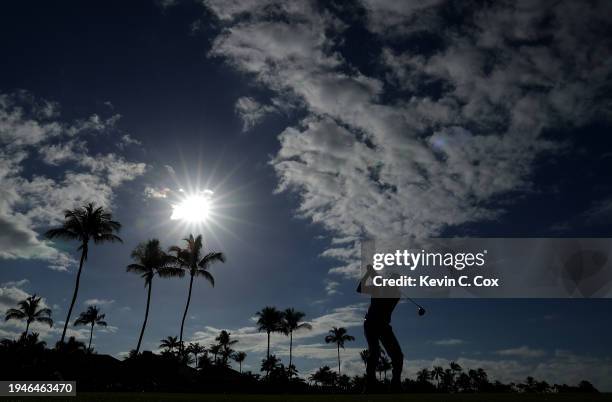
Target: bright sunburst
point(194, 208)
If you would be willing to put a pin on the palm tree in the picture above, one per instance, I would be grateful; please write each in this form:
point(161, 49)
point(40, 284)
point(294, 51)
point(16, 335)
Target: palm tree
point(423, 375)
point(455, 367)
point(150, 260)
point(437, 374)
point(72, 346)
point(196, 349)
point(270, 363)
point(365, 355)
point(190, 258)
point(269, 320)
point(29, 311)
point(225, 341)
point(239, 357)
point(338, 336)
point(85, 224)
point(324, 376)
point(292, 322)
point(384, 365)
point(169, 343)
point(215, 350)
point(91, 317)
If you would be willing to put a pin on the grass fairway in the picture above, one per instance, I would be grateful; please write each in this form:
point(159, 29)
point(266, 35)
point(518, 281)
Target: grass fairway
point(159, 397)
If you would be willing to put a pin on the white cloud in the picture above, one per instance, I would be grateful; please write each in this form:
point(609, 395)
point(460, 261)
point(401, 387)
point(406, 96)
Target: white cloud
point(151, 192)
point(54, 154)
point(32, 130)
point(251, 112)
point(127, 140)
point(366, 163)
point(331, 287)
point(15, 284)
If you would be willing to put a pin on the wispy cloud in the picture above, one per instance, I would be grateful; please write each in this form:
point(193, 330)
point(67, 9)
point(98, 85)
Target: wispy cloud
point(449, 342)
point(15, 284)
point(99, 302)
point(522, 351)
point(252, 112)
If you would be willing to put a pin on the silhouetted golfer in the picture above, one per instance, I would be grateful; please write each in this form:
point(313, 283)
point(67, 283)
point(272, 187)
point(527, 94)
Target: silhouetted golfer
point(377, 328)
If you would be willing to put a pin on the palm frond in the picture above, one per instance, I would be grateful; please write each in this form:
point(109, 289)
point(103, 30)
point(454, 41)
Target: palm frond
point(170, 272)
point(45, 320)
point(62, 233)
point(14, 314)
point(43, 312)
point(210, 258)
point(304, 325)
point(106, 237)
point(137, 268)
point(175, 249)
point(207, 275)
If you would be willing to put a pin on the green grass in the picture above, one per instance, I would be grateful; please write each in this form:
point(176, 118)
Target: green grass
point(159, 397)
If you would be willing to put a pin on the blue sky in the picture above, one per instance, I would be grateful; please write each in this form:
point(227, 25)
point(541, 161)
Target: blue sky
point(315, 124)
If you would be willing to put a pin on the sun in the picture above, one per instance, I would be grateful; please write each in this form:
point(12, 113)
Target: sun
point(193, 208)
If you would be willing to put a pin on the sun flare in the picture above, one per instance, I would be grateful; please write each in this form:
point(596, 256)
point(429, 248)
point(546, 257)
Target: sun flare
point(193, 208)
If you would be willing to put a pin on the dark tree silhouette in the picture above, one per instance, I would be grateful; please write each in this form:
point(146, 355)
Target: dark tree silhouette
point(239, 357)
point(195, 349)
point(269, 320)
point(92, 316)
point(72, 347)
point(324, 376)
point(364, 354)
point(29, 311)
point(85, 224)
point(271, 363)
point(437, 373)
point(291, 322)
point(225, 341)
point(423, 375)
point(150, 260)
point(384, 364)
point(169, 343)
point(190, 258)
point(338, 336)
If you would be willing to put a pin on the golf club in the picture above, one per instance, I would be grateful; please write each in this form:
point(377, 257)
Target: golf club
point(421, 310)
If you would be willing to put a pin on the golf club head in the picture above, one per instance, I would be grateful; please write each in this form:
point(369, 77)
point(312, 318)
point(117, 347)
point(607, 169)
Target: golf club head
point(421, 311)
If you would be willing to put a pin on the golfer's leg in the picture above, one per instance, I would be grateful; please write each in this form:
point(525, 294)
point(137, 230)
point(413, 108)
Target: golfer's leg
point(372, 336)
point(391, 345)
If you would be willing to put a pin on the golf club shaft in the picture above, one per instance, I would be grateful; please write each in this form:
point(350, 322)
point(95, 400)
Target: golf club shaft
point(415, 303)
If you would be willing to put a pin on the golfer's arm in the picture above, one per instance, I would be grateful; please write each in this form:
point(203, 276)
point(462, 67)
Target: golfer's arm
point(363, 287)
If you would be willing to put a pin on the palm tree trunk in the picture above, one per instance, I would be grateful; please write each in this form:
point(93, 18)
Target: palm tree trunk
point(76, 291)
point(240, 365)
point(290, 347)
point(185, 314)
point(338, 360)
point(27, 328)
point(268, 355)
point(144, 324)
point(90, 336)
